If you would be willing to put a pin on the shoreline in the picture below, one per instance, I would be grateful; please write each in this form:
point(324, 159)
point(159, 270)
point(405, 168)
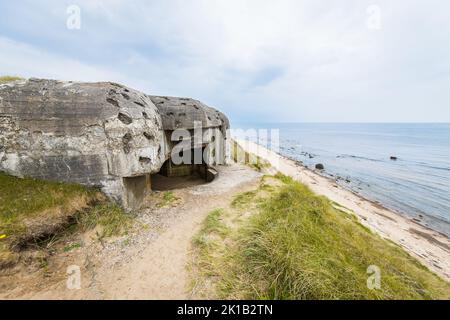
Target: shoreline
point(356, 194)
point(430, 247)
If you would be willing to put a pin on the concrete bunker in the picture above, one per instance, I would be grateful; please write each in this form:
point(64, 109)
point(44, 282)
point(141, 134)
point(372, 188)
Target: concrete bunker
point(204, 133)
point(103, 135)
point(176, 176)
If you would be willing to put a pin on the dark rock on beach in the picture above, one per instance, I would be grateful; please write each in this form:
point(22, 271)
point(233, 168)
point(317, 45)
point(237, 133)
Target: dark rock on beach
point(320, 166)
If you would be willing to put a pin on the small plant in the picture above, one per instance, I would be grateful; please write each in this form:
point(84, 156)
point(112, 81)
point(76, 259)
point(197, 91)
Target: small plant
point(243, 199)
point(168, 199)
point(213, 222)
point(72, 246)
point(6, 79)
point(109, 216)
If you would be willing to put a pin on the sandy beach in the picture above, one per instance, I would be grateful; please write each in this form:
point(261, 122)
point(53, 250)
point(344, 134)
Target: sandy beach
point(430, 247)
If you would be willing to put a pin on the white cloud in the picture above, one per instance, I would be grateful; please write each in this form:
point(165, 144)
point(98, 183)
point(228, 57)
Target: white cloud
point(286, 60)
point(25, 60)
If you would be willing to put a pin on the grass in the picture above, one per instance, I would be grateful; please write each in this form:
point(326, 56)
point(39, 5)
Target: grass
point(72, 246)
point(29, 197)
point(109, 216)
point(32, 209)
point(296, 245)
point(242, 200)
point(210, 249)
point(168, 198)
point(239, 155)
point(213, 224)
point(6, 79)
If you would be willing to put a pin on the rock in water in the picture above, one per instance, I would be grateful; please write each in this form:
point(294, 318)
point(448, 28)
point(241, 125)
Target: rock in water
point(320, 166)
point(394, 158)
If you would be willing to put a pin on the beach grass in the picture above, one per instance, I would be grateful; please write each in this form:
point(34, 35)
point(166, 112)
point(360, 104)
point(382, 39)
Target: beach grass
point(32, 210)
point(167, 199)
point(285, 242)
point(6, 79)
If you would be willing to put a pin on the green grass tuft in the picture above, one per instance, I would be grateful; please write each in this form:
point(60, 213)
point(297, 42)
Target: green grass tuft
point(169, 198)
point(109, 216)
point(6, 79)
point(243, 199)
point(213, 223)
point(72, 246)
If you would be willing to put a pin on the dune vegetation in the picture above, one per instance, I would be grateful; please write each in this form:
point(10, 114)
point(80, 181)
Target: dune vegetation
point(282, 241)
point(6, 79)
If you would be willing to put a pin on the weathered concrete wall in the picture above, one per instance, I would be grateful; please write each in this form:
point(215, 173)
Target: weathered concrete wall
point(179, 113)
point(186, 113)
point(97, 134)
point(89, 133)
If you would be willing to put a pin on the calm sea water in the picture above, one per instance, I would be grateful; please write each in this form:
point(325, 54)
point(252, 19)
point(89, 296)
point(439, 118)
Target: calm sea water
point(417, 184)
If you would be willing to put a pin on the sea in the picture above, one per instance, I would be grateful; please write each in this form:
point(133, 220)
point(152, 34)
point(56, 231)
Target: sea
point(404, 167)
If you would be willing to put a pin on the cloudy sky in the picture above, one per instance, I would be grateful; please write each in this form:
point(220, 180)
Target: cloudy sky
point(258, 61)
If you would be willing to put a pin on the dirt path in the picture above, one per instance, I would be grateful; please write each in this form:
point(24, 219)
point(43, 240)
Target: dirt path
point(160, 271)
point(151, 264)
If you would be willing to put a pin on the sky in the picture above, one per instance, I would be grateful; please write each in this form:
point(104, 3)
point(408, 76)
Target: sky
point(255, 60)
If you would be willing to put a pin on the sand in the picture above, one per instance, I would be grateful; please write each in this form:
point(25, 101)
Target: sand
point(430, 247)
